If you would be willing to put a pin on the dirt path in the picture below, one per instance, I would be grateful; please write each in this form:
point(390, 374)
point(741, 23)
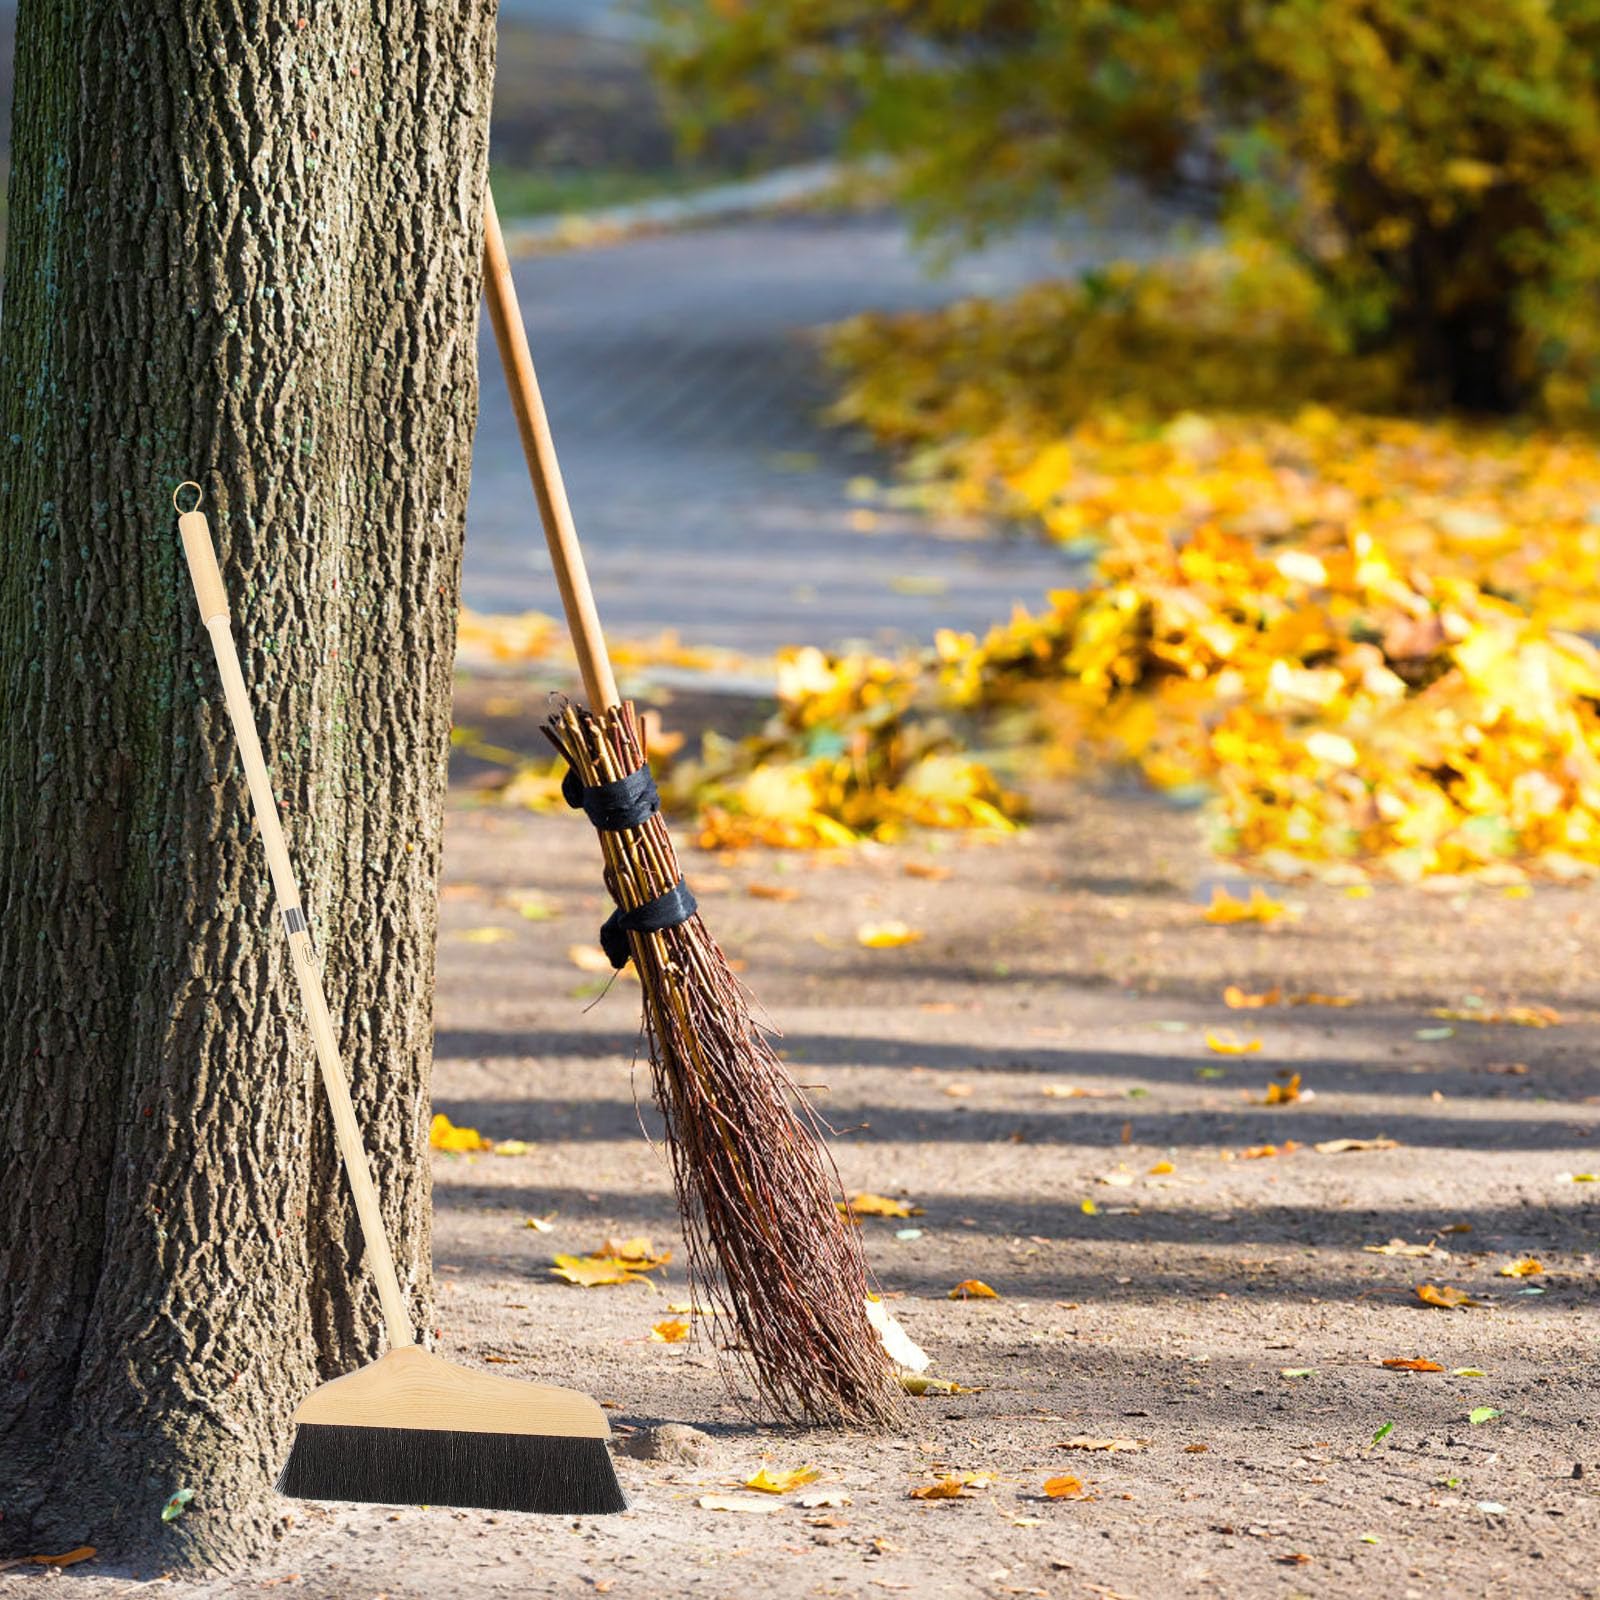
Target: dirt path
point(1075, 958)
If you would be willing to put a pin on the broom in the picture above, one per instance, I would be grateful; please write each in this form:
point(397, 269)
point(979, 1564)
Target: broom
point(768, 1246)
point(410, 1428)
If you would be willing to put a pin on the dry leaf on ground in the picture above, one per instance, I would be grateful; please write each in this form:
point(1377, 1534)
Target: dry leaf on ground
point(1413, 1364)
point(1230, 1044)
point(1340, 1147)
point(886, 935)
point(1084, 1442)
point(672, 1331)
point(879, 1205)
point(1285, 1093)
point(1446, 1295)
point(1260, 907)
point(1528, 1267)
point(768, 1482)
point(1237, 999)
point(1066, 1487)
point(593, 1272)
point(443, 1134)
point(973, 1289)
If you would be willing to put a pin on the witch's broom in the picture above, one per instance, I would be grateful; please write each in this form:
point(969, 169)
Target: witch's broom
point(410, 1428)
point(767, 1243)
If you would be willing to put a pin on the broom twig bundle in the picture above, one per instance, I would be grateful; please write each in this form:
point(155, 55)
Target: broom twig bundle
point(768, 1248)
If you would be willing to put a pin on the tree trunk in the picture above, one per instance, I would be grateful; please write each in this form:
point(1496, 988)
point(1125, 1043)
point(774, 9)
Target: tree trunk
point(244, 248)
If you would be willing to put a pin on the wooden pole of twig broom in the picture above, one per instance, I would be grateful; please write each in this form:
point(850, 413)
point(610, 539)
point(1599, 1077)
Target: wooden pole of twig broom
point(782, 1270)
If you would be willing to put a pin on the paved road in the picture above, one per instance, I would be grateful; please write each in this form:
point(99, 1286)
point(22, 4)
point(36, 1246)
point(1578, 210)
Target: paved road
point(683, 390)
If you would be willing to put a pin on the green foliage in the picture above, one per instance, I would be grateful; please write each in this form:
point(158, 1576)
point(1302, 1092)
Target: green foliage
point(1432, 163)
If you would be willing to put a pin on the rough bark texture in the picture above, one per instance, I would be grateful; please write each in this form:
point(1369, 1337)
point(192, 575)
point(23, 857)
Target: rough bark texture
point(244, 249)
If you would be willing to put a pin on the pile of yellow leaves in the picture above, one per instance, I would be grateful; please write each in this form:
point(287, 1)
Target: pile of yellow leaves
point(855, 750)
point(1360, 635)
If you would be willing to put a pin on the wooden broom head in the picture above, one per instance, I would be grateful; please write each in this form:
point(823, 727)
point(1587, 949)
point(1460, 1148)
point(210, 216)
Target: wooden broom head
point(413, 1429)
point(409, 1388)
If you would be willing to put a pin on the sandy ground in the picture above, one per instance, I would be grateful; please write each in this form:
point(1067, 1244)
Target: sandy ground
point(1075, 958)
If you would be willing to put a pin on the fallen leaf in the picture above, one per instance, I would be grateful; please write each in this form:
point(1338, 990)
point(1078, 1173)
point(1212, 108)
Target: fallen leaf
point(1413, 1364)
point(1578, 1177)
point(673, 1331)
point(919, 1383)
point(886, 935)
point(1399, 1247)
point(1260, 907)
point(1297, 1372)
point(973, 1289)
point(820, 1499)
point(1195, 1449)
point(68, 1558)
point(1445, 1295)
point(1482, 1414)
point(1068, 1091)
point(1229, 1044)
point(1528, 1267)
point(443, 1134)
point(878, 1205)
point(1161, 1169)
point(1468, 1372)
point(593, 1272)
point(1237, 999)
point(952, 1487)
point(736, 1502)
point(1340, 1147)
point(1282, 1094)
point(1314, 999)
point(1383, 1433)
point(637, 1252)
point(540, 1224)
point(926, 869)
point(1259, 1152)
point(511, 1147)
point(769, 1482)
point(1084, 1442)
point(1295, 1558)
point(771, 891)
point(1067, 1487)
point(486, 935)
point(1519, 1016)
point(1089, 1208)
point(958, 1091)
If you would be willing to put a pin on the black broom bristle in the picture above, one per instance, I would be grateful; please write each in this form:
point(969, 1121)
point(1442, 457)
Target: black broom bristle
point(424, 1466)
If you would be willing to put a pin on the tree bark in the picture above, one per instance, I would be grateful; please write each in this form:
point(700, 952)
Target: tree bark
point(244, 248)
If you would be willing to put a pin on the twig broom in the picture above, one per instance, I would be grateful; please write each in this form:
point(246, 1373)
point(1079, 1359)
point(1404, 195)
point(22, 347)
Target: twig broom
point(767, 1244)
point(410, 1428)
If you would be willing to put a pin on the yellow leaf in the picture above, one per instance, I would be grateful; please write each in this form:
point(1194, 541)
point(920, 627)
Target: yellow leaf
point(444, 1135)
point(1089, 1208)
point(886, 935)
point(637, 1252)
point(486, 935)
point(1161, 1168)
point(919, 1383)
point(1528, 1267)
point(589, 958)
point(592, 1272)
point(1340, 1147)
point(1236, 999)
point(672, 1331)
point(1066, 1487)
point(771, 891)
point(973, 1289)
point(877, 1205)
point(68, 1558)
point(540, 1224)
point(1444, 1295)
point(1414, 1364)
point(768, 1482)
point(1260, 907)
point(1228, 1044)
point(953, 1486)
point(511, 1147)
point(1282, 1094)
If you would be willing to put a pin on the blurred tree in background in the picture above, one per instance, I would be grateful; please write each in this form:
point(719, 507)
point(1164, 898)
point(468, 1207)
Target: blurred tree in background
point(1432, 165)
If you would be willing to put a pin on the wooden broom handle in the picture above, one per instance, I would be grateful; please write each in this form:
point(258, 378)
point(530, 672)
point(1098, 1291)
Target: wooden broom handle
point(213, 600)
point(577, 598)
